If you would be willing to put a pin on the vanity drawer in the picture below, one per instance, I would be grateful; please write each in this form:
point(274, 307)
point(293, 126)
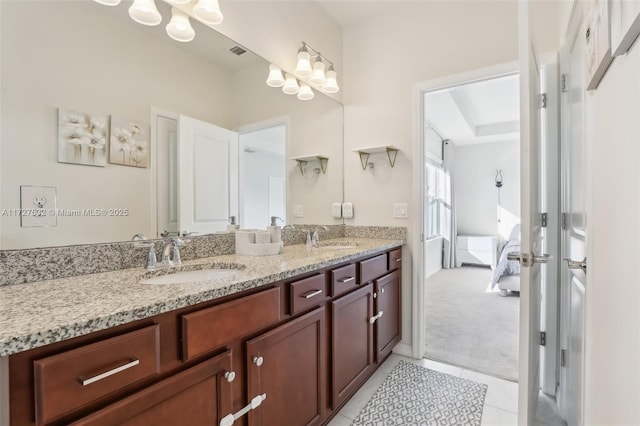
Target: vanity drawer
point(210, 328)
point(373, 268)
point(72, 379)
point(343, 279)
point(395, 259)
point(307, 293)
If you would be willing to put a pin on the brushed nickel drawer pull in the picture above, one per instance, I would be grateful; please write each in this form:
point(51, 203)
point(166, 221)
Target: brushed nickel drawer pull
point(311, 294)
point(398, 259)
point(375, 317)
point(346, 280)
point(109, 373)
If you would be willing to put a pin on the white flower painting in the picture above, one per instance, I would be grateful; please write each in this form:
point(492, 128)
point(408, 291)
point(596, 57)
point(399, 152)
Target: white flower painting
point(82, 138)
point(129, 144)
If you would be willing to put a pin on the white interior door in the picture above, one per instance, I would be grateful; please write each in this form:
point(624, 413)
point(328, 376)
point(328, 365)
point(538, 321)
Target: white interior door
point(532, 231)
point(573, 281)
point(207, 176)
point(166, 142)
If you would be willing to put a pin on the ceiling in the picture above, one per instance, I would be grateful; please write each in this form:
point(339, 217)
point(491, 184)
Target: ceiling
point(479, 112)
point(270, 139)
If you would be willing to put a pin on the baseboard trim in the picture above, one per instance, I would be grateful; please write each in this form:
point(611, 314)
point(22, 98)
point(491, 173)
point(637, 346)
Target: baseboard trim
point(404, 350)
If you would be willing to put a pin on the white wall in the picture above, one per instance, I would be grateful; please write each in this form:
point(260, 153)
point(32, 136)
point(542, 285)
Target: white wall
point(383, 58)
point(612, 369)
point(58, 60)
point(475, 190)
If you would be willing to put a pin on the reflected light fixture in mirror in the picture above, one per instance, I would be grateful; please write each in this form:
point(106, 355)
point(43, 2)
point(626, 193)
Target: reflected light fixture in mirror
point(145, 12)
point(331, 82)
point(318, 77)
point(179, 28)
point(305, 93)
point(208, 11)
point(303, 67)
point(290, 85)
point(109, 2)
point(275, 78)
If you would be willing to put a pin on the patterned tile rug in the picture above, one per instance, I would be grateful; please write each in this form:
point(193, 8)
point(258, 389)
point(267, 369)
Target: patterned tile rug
point(414, 395)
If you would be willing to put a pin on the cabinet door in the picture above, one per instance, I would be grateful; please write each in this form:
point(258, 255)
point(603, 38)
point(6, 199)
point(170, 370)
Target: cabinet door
point(288, 366)
point(388, 324)
point(200, 395)
point(352, 337)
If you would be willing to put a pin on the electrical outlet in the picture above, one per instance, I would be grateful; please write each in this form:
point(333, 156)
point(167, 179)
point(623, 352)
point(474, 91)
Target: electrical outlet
point(347, 210)
point(298, 210)
point(38, 206)
point(400, 210)
point(336, 210)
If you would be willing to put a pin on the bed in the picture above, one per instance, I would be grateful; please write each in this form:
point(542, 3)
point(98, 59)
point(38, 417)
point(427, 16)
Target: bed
point(506, 274)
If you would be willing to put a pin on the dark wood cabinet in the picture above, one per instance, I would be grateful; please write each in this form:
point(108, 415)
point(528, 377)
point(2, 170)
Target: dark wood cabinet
point(288, 366)
point(388, 325)
point(198, 396)
point(352, 342)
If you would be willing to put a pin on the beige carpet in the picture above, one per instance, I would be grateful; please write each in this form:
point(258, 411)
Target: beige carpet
point(470, 327)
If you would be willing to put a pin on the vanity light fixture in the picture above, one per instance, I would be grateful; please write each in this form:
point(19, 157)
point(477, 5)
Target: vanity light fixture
point(179, 2)
point(321, 74)
point(275, 78)
point(290, 86)
point(208, 11)
point(305, 93)
point(145, 12)
point(331, 83)
point(179, 28)
point(303, 67)
point(317, 76)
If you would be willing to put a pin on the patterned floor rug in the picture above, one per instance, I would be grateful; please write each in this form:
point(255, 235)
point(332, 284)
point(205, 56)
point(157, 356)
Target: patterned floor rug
point(414, 395)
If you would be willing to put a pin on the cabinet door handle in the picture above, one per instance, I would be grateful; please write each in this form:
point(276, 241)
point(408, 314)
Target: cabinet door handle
point(382, 291)
point(258, 360)
point(255, 403)
point(311, 294)
point(346, 280)
point(398, 259)
point(109, 373)
point(230, 376)
point(375, 317)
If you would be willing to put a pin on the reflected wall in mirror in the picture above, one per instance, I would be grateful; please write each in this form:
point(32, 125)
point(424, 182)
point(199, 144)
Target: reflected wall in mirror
point(87, 57)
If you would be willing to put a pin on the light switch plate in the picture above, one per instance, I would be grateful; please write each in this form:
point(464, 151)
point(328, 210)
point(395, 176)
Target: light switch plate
point(38, 206)
point(298, 210)
point(400, 210)
point(347, 210)
point(336, 210)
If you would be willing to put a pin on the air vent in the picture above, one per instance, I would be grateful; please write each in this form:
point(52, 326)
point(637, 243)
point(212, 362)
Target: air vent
point(238, 50)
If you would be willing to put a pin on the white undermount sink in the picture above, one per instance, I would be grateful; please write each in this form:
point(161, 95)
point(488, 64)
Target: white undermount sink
point(192, 273)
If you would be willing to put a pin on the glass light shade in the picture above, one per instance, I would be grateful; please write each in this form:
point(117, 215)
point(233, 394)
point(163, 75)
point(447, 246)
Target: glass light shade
point(305, 93)
point(275, 78)
point(179, 1)
point(290, 85)
point(208, 11)
point(331, 83)
point(303, 67)
point(145, 12)
point(179, 28)
point(108, 2)
point(318, 76)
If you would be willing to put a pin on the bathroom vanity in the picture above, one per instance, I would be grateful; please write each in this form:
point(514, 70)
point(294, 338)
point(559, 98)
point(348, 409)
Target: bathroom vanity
point(286, 341)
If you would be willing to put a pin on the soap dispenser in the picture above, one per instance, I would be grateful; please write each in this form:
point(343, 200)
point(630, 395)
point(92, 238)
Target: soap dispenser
point(232, 227)
point(274, 230)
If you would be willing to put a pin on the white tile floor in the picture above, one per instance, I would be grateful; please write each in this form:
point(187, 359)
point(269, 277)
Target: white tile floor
point(500, 406)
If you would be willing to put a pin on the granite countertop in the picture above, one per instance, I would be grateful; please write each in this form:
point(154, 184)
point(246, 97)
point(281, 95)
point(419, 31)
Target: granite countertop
point(37, 314)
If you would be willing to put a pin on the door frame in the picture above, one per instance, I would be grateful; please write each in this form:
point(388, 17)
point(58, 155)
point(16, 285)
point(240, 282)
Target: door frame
point(418, 286)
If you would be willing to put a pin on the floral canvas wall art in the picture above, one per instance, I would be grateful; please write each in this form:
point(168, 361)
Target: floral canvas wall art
point(82, 138)
point(129, 143)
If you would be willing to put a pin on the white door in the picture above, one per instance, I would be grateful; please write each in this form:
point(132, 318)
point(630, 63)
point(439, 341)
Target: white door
point(207, 176)
point(166, 143)
point(573, 281)
point(532, 231)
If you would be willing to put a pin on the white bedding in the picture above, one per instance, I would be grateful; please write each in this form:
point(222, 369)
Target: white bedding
point(506, 266)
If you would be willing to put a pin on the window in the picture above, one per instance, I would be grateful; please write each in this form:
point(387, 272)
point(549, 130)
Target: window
point(435, 200)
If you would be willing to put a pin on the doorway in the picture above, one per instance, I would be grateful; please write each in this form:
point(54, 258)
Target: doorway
point(472, 218)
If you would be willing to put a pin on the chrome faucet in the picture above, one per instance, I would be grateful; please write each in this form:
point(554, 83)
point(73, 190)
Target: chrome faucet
point(173, 243)
point(316, 236)
point(140, 241)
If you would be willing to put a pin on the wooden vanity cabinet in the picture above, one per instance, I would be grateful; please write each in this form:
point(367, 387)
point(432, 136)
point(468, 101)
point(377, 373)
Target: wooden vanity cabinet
point(388, 326)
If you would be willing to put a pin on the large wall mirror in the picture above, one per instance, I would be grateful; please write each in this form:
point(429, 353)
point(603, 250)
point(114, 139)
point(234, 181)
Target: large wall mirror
point(82, 57)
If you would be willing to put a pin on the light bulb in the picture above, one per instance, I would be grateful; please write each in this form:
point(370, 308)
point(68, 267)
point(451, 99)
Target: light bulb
point(290, 85)
point(303, 67)
point(108, 2)
point(179, 28)
point(305, 93)
point(145, 12)
point(275, 78)
point(208, 11)
point(331, 83)
point(318, 77)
